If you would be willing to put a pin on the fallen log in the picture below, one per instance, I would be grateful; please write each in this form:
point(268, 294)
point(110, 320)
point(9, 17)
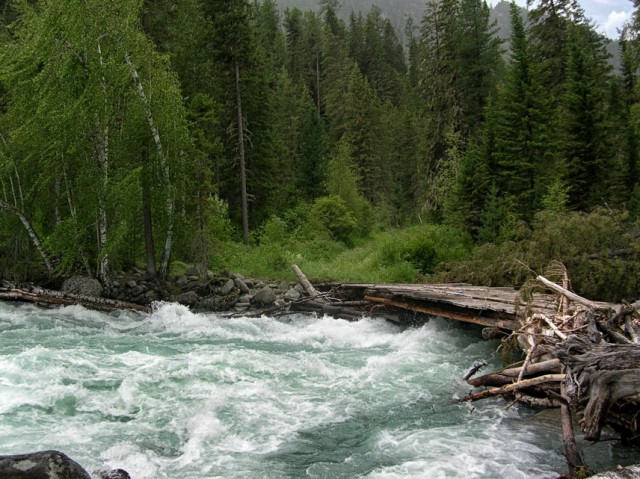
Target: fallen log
point(446, 313)
point(326, 309)
point(507, 376)
point(49, 296)
point(306, 284)
point(509, 388)
point(565, 292)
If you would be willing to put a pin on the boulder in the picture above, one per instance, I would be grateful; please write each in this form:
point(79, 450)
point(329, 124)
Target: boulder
point(242, 286)
point(83, 285)
point(227, 288)
point(264, 297)
point(292, 295)
point(190, 298)
point(41, 465)
point(113, 474)
point(181, 281)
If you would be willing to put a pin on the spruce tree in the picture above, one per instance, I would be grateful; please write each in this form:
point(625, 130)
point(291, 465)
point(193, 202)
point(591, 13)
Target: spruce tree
point(521, 134)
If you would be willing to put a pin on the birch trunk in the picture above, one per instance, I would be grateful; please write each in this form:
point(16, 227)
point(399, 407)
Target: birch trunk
point(102, 157)
point(31, 232)
point(164, 167)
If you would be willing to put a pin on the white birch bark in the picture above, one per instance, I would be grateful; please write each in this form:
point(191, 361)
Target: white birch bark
point(102, 157)
point(164, 167)
point(30, 231)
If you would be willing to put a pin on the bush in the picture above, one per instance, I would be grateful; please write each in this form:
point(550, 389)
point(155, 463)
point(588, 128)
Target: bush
point(330, 213)
point(601, 251)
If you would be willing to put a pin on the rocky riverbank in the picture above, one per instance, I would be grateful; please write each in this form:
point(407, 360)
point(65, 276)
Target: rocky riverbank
point(228, 292)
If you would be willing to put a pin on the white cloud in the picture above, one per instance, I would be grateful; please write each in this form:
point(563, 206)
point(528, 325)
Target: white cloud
point(615, 21)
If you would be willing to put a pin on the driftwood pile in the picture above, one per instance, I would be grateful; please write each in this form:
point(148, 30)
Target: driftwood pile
point(585, 360)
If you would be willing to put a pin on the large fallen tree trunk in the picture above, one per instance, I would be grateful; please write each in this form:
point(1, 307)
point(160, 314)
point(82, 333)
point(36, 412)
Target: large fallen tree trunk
point(49, 296)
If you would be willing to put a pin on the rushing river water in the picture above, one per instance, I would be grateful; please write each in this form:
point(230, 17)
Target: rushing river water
point(180, 395)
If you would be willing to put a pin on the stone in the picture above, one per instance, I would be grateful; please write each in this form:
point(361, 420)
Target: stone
point(112, 474)
point(292, 295)
point(83, 285)
point(151, 296)
point(298, 287)
point(264, 297)
point(236, 276)
point(41, 465)
point(227, 288)
point(190, 298)
point(242, 286)
point(249, 282)
point(132, 284)
point(242, 306)
point(283, 286)
point(182, 280)
point(245, 298)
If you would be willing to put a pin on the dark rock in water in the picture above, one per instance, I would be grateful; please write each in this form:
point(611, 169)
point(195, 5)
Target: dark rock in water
point(242, 286)
point(113, 474)
point(264, 297)
point(41, 465)
point(83, 285)
point(227, 288)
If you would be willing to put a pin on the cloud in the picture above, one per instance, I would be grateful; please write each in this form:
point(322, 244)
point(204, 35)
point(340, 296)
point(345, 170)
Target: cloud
point(615, 21)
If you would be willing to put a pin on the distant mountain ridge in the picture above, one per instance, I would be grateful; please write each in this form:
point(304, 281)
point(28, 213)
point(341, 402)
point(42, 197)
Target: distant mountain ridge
point(398, 11)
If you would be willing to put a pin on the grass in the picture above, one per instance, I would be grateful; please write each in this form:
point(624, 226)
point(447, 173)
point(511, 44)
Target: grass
point(392, 256)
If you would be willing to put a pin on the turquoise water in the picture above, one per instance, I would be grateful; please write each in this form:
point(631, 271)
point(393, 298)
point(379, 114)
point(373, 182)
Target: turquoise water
point(181, 395)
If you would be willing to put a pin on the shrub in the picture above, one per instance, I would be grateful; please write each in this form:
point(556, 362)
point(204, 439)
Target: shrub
point(330, 213)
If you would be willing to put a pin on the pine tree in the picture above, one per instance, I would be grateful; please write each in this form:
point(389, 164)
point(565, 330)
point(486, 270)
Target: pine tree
point(478, 60)
point(521, 134)
point(584, 132)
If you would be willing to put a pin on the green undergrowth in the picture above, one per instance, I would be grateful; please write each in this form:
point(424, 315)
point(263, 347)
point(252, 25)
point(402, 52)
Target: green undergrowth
point(600, 250)
point(391, 256)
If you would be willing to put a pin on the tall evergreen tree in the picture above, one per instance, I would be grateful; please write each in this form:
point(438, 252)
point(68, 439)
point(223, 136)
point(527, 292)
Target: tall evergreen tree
point(521, 141)
point(584, 133)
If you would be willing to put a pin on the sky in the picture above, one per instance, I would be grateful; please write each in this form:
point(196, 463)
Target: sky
point(608, 15)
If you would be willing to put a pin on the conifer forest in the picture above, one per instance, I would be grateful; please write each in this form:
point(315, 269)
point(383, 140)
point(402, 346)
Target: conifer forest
point(236, 134)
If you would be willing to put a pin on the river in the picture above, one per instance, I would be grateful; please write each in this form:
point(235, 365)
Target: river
point(179, 395)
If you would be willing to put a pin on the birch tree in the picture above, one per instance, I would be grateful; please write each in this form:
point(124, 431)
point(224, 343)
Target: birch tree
point(79, 112)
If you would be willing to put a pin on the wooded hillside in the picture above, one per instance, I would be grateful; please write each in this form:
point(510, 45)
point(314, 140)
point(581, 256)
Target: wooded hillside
point(142, 132)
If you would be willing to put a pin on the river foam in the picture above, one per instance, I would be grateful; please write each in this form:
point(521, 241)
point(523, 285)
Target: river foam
point(177, 394)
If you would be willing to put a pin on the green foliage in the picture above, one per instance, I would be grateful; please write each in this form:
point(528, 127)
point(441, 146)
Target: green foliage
point(634, 203)
point(331, 214)
point(600, 249)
